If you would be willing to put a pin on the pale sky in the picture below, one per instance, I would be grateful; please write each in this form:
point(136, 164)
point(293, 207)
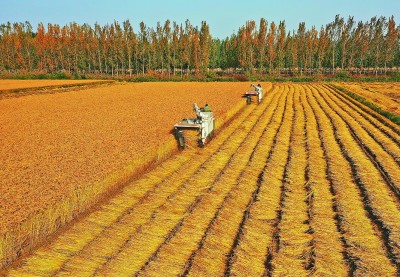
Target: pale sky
point(224, 17)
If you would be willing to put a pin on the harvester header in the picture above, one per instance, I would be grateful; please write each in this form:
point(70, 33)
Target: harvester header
point(257, 92)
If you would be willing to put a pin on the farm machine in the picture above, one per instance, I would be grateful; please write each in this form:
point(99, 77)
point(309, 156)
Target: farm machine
point(204, 123)
point(257, 92)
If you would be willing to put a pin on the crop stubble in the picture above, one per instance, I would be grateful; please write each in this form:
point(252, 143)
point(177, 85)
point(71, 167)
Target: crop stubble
point(384, 95)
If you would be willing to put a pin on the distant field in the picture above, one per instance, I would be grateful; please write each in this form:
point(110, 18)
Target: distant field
point(384, 95)
point(7, 85)
point(52, 145)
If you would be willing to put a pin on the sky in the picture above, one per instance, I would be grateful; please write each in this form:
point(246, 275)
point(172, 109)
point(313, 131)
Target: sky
point(223, 16)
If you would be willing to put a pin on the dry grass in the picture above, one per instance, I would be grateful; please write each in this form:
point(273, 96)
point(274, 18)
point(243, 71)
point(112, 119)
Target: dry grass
point(383, 203)
point(294, 241)
point(257, 240)
point(365, 250)
point(384, 95)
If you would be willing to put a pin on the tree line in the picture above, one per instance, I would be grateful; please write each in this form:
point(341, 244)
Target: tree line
point(173, 48)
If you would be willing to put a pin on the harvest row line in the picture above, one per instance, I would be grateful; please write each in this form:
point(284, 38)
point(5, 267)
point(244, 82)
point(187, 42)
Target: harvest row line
point(306, 182)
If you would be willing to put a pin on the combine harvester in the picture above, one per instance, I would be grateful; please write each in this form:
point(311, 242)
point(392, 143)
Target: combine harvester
point(204, 123)
point(258, 92)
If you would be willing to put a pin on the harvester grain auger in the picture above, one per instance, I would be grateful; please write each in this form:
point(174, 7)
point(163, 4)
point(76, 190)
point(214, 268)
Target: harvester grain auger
point(204, 123)
point(257, 92)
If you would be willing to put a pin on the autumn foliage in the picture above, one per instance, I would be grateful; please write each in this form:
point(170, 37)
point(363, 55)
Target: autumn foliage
point(183, 49)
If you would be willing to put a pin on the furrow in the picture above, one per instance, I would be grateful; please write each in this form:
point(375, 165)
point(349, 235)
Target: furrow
point(292, 256)
point(152, 232)
point(255, 236)
point(327, 244)
point(221, 206)
point(365, 255)
point(384, 162)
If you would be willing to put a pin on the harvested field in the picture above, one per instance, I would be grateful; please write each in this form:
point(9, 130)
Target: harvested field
point(384, 95)
point(72, 148)
point(18, 88)
point(307, 183)
point(9, 85)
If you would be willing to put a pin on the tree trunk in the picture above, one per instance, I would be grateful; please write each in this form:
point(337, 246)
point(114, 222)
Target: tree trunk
point(129, 65)
point(143, 64)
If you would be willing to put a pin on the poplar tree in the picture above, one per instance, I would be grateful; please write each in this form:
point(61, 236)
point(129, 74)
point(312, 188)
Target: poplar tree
point(205, 44)
point(271, 46)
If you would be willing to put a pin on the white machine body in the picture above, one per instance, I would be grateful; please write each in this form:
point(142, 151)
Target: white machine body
point(204, 123)
point(258, 92)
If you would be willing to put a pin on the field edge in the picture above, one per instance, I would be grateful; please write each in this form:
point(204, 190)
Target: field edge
point(392, 117)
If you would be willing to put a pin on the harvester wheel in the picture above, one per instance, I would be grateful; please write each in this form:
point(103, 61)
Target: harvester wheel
point(248, 99)
point(200, 143)
point(180, 137)
point(181, 141)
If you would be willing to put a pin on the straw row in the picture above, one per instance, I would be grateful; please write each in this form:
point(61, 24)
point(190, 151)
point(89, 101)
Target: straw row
point(211, 256)
point(327, 246)
point(218, 213)
point(383, 95)
point(292, 255)
point(366, 117)
point(388, 144)
point(365, 251)
point(72, 242)
point(380, 201)
point(389, 125)
point(151, 235)
point(384, 159)
point(249, 253)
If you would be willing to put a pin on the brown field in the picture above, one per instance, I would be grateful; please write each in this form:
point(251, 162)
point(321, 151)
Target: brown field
point(7, 85)
point(307, 183)
point(384, 95)
point(60, 152)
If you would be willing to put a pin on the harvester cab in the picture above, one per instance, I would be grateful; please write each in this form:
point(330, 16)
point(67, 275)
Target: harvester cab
point(204, 123)
point(257, 92)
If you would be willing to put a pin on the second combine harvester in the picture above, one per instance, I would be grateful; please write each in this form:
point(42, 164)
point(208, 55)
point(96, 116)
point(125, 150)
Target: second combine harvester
point(257, 92)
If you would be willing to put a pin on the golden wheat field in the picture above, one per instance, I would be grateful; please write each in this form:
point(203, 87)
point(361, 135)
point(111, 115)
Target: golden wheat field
point(384, 95)
point(62, 152)
point(306, 183)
